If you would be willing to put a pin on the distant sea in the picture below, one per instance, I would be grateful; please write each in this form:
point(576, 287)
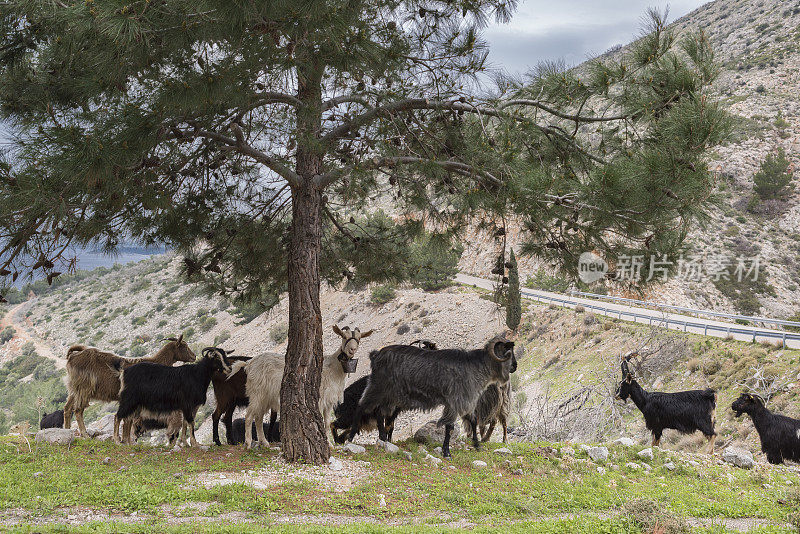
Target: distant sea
point(89, 259)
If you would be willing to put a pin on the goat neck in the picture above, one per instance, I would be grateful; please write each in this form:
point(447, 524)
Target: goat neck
point(638, 395)
point(165, 355)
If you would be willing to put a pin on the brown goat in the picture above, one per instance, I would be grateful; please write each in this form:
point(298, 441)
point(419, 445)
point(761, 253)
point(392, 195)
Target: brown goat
point(493, 407)
point(92, 376)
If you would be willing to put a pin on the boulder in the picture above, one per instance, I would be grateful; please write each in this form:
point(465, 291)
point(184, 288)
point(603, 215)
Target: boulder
point(567, 451)
point(104, 425)
point(478, 464)
point(625, 442)
point(738, 457)
point(335, 464)
point(645, 454)
point(433, 460)
point(503, 450)
point(431, 433)
point(59, 436)
point(633, 465)
point(598, 454)
point(388, 446)
point(353, 448)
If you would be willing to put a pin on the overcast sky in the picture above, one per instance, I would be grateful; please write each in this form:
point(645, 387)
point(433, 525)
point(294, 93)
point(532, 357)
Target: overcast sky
point(571, 30)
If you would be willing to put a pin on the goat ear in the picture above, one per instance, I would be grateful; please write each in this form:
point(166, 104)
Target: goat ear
point(180, 339)
point(338, 331)
point(366, 334)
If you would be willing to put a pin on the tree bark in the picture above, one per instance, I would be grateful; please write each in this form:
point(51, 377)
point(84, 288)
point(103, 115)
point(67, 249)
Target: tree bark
point(303, 436)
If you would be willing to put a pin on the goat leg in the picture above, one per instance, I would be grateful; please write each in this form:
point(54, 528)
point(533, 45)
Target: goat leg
point(487, 434)
point(68, 408)
point(81, 424)
point(382, 434)
point(448, 428)
point(505, 429)
point(215, 426)
point(228, 420)
point(116, 429)
point(273, 427)
point(262, 439)
point(711, 439)
point(248, 429)
point(390, 424)
point(473, 423)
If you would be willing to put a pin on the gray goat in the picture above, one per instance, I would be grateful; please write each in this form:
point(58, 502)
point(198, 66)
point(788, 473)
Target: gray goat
point(411, 378)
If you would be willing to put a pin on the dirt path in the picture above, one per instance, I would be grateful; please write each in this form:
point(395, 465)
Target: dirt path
point(24, 332)
point(193, 512)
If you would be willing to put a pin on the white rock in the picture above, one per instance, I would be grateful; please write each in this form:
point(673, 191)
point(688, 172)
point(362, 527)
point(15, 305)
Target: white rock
point(408, 455)
point(738, 457)
point(693, 463)
point(381, 500)
point(598, 454)
point(335, 464)
point(478, 464)
point(646, 454)
point(601, 469)
point(390, 447)
point(645, 466)
point(503, 450)
point(669, 466)
point(567, 451)
point(517, 472)
point(625, 442)
point(354, 448)
point(584, 447)
point(432, 460)
point(633, 465)
point(437, 450)
point(60, 436)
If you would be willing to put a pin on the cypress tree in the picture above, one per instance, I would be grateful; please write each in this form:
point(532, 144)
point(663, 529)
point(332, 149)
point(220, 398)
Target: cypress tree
point(253, 137)
point(513, 295)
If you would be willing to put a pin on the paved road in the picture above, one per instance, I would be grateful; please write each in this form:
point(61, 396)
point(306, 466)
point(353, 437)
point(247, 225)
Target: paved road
point(674, 321)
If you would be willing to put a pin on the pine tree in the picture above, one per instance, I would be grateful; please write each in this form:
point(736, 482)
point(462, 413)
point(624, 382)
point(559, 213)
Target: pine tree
point(513, 295)
point(772, 179)
point(253, 137)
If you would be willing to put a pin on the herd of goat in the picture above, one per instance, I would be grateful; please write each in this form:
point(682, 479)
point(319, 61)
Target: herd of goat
point(469, 385)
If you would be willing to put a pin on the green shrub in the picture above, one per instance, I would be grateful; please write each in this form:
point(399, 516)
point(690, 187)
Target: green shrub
point(207, 324)
point(188, 333)
point(433, 264)
point(772, 179)
point(279, 333)
point(544, 282)
point(650, 516)
point(222, 338)
point(6, 335)
point(382, 294)
point(138, 321)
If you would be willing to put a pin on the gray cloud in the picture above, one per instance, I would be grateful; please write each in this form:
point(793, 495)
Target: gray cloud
point(570, 30)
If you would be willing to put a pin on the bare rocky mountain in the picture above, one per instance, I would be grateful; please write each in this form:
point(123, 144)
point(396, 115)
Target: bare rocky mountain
point(757, 43)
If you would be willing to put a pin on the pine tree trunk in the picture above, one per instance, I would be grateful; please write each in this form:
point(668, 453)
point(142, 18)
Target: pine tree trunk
point(303, 436)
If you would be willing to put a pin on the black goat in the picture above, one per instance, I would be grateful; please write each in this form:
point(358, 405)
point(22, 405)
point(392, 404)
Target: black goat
point(230, 394)
point(236, 434)
point(684, 411)
point(410, 378)
point(780, 435)
point(52, 420)
point(150, 388)
point(346, 409)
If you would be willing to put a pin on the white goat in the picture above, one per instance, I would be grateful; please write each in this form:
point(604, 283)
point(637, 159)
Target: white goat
point(265, 373)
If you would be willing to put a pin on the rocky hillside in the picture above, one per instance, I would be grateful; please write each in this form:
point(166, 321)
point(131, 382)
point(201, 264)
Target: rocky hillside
point(758, 45)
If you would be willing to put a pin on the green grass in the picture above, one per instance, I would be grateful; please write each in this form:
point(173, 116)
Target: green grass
point(567, 495)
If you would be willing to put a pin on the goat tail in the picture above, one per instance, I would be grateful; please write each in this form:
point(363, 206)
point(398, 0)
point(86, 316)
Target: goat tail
point(74, 349)
point(236, 367)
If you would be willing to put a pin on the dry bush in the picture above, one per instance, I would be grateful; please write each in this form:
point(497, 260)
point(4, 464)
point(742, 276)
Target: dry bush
point(579, 309)
point(693, 365)
point(650, 517)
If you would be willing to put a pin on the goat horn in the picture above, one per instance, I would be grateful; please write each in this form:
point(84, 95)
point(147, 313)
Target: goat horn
point(180, 339)
point(170, 339)
point(493, 343)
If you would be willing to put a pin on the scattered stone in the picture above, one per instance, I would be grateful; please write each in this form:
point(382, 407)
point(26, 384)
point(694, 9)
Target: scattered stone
point(478, 464)
point(423, 451)
point(625, 442)
point(584, 447)
point(693, 463)
point(37, 474)
point(354, 448)
point(645, 466)
point(646, 454)
point(502, 450)
point(633, 465)
point(335, 464)
point(738, 457)
point(437, 451)
point(516, 472)
point(59, 436)
point(601, 469)
point(598, 454)
point(382, 500)
point(107, 460)
point(669, 466)
point(408, 455)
